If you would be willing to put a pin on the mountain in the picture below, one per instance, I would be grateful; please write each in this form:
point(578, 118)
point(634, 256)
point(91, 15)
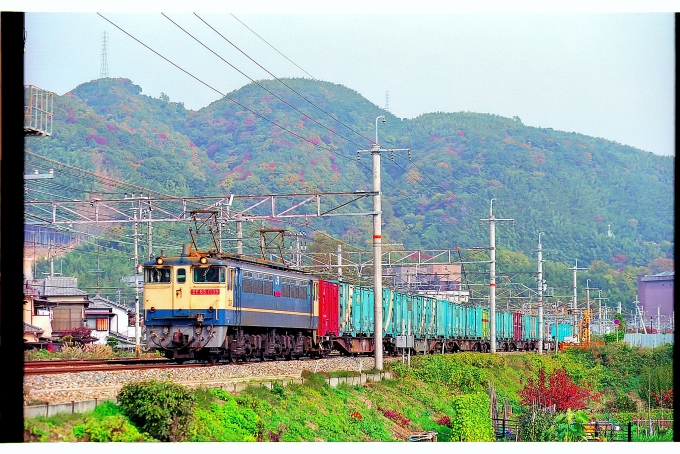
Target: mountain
point(592, 198)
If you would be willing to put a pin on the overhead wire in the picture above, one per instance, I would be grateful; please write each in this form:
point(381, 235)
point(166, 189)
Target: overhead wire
point(284, 83)
point(245, 107)
point(257, 114)
point(272, 46)
point(231, 99)
point(254, 81)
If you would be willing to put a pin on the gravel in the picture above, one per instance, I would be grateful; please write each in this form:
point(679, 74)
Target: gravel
point(68, 387)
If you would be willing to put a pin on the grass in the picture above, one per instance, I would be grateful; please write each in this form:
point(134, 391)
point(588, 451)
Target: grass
point(419, 399)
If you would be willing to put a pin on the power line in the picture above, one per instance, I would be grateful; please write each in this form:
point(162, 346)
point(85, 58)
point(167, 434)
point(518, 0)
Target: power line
point(273, 47)
point(285, 84)
point(299, 136)
point(253, 80)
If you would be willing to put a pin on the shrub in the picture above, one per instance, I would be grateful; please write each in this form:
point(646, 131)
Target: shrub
point(444, 421)
point(396, 417)
point(570, 425)
point(113, 428)
point(470, 418)
point(656, 387)
point(536, 424)
point(560, 391)
point(621, 402)
point(225, 421)
point(162, 409)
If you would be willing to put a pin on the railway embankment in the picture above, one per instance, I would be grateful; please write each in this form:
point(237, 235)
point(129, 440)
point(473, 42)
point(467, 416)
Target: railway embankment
point(448, 394)
point(67, 392)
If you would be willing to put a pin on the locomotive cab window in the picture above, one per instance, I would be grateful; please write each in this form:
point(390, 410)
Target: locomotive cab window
point(210, 274)
point(181, 275)
point(156, 275)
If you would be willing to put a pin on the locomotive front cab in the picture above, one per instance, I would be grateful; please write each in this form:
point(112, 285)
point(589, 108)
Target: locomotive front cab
point(187, 301)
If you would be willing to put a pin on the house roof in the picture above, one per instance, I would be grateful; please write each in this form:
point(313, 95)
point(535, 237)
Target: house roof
point(99, 301)
point(665, 273)
point(59, 286)
point(32, 329)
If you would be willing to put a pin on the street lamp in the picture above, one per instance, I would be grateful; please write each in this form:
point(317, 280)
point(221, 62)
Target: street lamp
point(376, 126)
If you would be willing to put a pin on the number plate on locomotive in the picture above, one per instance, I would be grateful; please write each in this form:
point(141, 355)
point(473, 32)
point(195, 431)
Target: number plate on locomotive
point(205, 291)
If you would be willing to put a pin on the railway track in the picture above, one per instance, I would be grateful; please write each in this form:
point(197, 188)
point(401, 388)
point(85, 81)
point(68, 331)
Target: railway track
point(110, 365)
point(105, 365)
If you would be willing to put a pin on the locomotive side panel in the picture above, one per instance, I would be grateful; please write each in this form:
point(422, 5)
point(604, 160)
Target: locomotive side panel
point(292, 307)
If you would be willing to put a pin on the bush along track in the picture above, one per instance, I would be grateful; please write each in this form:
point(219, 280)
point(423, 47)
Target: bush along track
point(554, 396)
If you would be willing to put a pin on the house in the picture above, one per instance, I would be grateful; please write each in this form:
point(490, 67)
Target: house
point(109, 318)
point(36, 316)
point(56, 300)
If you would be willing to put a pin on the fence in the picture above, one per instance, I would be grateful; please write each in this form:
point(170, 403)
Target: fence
point(506, 429)
point(648, 340)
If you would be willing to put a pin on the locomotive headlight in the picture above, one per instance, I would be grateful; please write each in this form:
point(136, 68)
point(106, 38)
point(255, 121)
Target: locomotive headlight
point(159, 260)
point(152, 309)
point(211, 309)
point(203, 260)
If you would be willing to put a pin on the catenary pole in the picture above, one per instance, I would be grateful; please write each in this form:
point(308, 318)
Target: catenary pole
point(492, 275)
point(540, 294)
point(375, 151)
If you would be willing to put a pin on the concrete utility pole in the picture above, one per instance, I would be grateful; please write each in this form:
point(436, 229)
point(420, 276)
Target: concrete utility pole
point(641, 314)
point(375, 151)
point(137, 346)
point(540, 294)
point(492, 274)
point(339, 262)
point(574, 306)
point(137, 216)
point(239, 237)
point(599, 311)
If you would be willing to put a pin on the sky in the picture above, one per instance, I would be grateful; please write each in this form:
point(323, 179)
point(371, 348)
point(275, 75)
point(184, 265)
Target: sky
point(602, 73)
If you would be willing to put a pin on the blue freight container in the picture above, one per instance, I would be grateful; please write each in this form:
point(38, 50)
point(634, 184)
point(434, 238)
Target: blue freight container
point(563, 330)
point(503, 325)
point(476, 322)
point(356, 309)
point(430, 317)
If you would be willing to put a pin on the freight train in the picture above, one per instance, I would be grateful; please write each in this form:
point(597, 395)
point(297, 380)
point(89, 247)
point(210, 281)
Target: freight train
point(211, 306)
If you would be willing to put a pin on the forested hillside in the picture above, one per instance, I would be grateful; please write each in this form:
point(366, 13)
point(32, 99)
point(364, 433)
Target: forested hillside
point(595, 200)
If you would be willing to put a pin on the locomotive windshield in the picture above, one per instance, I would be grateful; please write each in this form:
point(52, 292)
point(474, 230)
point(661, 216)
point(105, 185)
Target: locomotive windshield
point(156, 275)
point(210, 274)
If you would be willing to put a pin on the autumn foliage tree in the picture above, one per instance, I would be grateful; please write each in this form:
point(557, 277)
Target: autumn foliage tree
point(559, 391)
point(78, 336)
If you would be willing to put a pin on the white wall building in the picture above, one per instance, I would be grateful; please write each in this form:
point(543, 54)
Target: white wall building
point(109, 318)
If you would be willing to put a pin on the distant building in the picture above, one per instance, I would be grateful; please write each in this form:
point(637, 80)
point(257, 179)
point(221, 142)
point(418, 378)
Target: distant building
point(656, 295)
point(436, 280)
point(108, 318)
